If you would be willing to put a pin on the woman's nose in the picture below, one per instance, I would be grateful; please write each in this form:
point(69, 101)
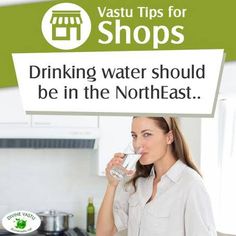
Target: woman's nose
point(138, 145)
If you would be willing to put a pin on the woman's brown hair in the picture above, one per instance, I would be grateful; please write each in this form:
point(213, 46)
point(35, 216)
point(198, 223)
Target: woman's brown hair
point(179, 148)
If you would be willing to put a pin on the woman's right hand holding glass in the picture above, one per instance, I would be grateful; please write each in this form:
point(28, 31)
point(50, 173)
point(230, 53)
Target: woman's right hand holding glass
point(117, 160)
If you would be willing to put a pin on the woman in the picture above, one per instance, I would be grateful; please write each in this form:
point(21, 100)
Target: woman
point(165, 196)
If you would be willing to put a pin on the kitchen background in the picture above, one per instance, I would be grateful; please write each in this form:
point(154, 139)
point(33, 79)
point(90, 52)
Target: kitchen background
point(63, 179)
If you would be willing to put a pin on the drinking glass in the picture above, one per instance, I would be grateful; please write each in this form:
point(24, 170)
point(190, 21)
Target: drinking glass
point(130, 159)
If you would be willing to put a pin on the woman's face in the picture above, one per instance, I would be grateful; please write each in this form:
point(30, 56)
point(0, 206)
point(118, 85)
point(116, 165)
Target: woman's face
point(150, 138)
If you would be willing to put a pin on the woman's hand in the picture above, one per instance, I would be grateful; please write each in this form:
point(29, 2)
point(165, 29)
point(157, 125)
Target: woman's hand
point(117, 160)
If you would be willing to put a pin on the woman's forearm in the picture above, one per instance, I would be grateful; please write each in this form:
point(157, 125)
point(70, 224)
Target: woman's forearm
point(105, 220)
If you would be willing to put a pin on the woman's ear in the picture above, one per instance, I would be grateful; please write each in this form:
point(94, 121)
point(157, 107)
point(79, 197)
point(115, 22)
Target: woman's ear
point(170, 137)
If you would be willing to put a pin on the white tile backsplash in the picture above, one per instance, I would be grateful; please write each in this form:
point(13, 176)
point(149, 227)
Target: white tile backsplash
point(41, 179)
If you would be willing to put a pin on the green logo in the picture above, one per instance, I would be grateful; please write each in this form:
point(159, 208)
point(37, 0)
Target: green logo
point(20, 223)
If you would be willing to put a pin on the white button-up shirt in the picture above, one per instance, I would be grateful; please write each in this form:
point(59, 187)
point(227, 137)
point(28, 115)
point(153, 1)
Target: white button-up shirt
point(181, 206)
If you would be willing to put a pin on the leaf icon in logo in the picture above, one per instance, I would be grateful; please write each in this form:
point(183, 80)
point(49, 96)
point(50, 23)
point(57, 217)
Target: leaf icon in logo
point(20, 223)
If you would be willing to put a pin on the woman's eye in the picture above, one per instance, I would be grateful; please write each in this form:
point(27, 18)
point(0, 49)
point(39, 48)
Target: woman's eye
point(134, 136)
point(147, 134)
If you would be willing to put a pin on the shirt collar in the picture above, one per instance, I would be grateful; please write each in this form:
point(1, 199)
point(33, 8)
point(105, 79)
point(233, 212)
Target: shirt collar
point(152, 172)
point(174, 173)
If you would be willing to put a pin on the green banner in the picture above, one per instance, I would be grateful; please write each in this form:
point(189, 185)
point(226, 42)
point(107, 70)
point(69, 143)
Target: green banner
point(121, 26)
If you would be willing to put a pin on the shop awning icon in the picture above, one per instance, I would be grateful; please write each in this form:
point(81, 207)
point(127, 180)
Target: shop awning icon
point(63, 22)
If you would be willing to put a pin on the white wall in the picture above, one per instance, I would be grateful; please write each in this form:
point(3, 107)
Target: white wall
point(42, 179)
point(228, 82)
point(191, 128)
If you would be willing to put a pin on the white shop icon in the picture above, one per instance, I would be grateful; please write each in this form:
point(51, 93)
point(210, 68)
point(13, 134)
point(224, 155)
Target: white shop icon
point(64, 22)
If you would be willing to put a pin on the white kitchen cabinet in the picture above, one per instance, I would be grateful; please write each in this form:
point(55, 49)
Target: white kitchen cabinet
point(68, 121)
point(14, 116)
point(12, 112)
point(115, 135)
